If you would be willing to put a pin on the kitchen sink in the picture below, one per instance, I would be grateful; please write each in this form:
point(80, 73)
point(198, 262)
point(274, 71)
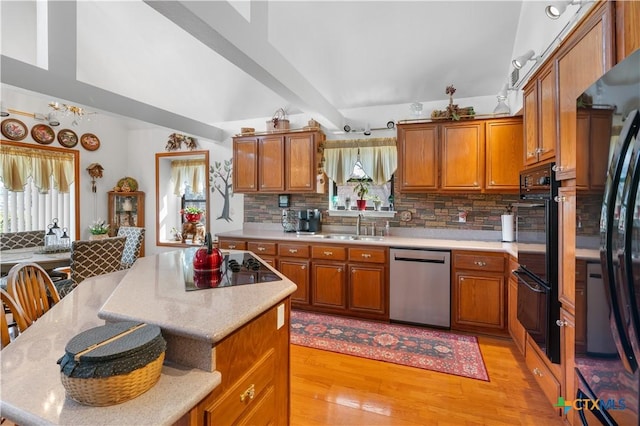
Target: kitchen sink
point(350, 237)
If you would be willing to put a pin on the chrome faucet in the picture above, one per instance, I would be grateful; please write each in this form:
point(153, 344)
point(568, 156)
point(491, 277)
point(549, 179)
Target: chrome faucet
point(358, 221)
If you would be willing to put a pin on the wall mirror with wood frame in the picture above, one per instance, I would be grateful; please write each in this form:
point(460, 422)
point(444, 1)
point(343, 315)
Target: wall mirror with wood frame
point(182, 185)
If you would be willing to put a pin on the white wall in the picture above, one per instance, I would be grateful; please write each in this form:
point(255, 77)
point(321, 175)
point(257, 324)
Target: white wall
point(539, 33)
point(123, 152)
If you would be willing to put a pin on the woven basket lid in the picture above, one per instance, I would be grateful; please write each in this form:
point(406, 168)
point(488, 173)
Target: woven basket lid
point(112, 349)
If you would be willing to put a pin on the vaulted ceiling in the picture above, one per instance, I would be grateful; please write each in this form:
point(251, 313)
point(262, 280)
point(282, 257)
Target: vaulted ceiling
point(196, 65)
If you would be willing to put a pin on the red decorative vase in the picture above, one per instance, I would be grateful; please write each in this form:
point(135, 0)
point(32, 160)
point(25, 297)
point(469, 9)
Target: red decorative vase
point(362, 204)
point(193, 217)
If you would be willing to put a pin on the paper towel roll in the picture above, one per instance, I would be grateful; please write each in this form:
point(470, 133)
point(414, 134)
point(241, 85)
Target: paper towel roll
point(507, 228)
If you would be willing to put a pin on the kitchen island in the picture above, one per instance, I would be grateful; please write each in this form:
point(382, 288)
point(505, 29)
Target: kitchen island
point(205, 331)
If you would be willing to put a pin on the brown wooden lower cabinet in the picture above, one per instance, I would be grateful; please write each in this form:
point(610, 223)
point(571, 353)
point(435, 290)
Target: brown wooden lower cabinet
point(254, 363)
point(328, 283)
point(546, 379)
point(516, 330)
point(297, 270)
point(567, 356)
point(479, 292)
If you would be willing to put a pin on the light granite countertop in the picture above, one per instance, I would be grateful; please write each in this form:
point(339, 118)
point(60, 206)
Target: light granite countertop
point(435, 241)
point(31, 391)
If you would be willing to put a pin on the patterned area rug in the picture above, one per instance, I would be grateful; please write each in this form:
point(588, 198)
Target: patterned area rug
point(412, 346)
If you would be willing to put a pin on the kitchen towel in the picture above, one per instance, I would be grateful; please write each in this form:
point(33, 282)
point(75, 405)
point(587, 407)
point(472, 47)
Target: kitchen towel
point(507, 228)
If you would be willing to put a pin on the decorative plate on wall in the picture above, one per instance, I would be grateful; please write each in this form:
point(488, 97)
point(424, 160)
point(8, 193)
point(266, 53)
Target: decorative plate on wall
point(89, 141)
point(43, 134)
point(13, 129)
point(67, 138)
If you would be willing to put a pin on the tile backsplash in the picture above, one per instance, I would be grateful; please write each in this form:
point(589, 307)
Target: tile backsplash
point(427, 210)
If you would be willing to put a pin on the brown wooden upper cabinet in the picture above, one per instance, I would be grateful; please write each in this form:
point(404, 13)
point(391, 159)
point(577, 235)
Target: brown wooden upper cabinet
point(540, 130)
point(503, 154)
point(462, 160)
point(593, 137)
point(282, 162)
point(581, 61)
point(627, 28)
point(470, 155)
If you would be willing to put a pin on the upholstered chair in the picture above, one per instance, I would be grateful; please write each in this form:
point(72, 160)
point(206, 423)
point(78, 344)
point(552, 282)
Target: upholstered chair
point(23, 239)
point(96, 257)
point(135, 237)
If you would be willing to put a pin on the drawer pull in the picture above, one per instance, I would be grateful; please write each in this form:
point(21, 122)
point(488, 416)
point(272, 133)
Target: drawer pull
point(328, 253)
point(261, 248)
point(480, 263)
point(232, 246)
point(537, 372)
point(366, 255)
point(562, 323)
point(293, 250)
point(248, 394)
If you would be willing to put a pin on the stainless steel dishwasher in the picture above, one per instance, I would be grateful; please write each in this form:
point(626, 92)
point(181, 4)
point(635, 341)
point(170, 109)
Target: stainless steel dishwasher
point(420, 286)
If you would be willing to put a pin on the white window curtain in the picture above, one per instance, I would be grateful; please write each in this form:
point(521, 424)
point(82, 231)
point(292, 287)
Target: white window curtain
point(379, 158)
point(191, 172)
point(45, 168)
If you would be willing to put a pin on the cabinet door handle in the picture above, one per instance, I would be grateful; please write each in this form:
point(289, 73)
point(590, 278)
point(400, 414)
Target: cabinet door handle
point(480, 263)
point(537, 372)
point(303, 267)
point(261, 248)
point(557, 168)
point(559, 198)
point(293, 250)
point(248, 394)
point(328, 253)
point(232, 246)
point(562, 323)
point(366, 255)
point(339, 269)
point(540, 150)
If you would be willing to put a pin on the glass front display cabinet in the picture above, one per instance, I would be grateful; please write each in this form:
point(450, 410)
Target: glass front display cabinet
point(126, 209)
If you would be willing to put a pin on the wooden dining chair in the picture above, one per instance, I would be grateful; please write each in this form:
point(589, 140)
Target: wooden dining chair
point(30, 285)
point(135, 236)
point(95, 257)
point(13, 308)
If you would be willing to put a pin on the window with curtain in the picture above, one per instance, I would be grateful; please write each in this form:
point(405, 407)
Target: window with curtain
point(188, 178)
point(36, 186)
point(347, 161)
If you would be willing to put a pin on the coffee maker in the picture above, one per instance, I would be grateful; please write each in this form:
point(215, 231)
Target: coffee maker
point(309, 221)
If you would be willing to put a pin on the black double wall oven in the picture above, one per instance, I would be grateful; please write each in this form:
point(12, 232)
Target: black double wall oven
point(537, 240)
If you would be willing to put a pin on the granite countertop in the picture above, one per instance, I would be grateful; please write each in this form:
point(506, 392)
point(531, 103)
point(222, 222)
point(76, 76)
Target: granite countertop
point(151, 291)
point(32, 392)
point(436, 241)
point(206, 315)
point(387, 241)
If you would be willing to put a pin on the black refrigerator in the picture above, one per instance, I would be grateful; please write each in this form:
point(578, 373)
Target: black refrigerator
point(608, 376)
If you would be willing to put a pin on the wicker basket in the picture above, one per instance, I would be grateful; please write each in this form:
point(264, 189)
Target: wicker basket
point(115, 389)
point(112, 363)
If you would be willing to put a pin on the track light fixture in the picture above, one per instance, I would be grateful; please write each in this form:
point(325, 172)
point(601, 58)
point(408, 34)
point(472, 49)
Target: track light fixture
point(557, 8)
point(367, 129)
point(521, 60)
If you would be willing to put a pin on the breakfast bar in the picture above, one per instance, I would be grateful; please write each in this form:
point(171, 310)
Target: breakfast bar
point(203, 330)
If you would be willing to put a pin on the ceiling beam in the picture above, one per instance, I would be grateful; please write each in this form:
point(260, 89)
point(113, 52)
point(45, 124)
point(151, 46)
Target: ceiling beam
point(29, 77)
point(245, 44)
point(60, 81)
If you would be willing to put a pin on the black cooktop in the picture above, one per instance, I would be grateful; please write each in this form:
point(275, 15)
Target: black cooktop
point(236, 269)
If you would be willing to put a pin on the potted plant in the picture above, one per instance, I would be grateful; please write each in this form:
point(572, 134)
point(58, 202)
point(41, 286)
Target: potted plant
point(192, 214)
point(377, 202)
point(99, 230)
point(362, 189)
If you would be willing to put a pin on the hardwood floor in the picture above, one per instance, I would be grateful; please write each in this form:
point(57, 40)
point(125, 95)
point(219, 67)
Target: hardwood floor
point(335, 389)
